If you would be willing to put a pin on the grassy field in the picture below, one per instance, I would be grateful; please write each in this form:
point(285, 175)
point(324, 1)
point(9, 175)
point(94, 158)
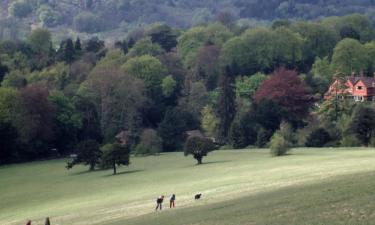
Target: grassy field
point(310, 186)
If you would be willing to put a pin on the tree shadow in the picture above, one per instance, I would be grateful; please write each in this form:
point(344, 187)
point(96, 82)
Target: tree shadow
point(123, 173)
point(215, 162)
point(83, 172)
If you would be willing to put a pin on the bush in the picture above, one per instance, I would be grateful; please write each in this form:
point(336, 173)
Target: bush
point(150, 144)
point(349, 140)
point(318, 138)
point(278, 145)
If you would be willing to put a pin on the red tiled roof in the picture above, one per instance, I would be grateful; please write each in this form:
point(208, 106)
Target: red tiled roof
point(368, 81)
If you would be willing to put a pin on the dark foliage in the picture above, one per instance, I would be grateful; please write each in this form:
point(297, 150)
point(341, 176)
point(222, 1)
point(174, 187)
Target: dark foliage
point(199, 147)
point(318, 138)
point(88, 153)
point(226, 106)
point(363, 124)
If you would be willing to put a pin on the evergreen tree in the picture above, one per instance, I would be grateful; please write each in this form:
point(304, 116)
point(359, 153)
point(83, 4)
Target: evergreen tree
point(114, 155)
point(88, 154)
point(69, 51)
point(226, 106)
point(77, 45)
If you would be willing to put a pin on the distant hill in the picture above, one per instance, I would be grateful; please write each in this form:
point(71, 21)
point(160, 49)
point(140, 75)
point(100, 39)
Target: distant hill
point(114, 18)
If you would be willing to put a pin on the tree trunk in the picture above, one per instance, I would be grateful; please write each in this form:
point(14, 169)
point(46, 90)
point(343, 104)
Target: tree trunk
point(114, 168)
point(199, 159)
point(92, 167)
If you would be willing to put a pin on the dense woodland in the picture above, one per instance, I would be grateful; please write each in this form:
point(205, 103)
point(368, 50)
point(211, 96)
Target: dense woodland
point(112, 19)
point(259, 86)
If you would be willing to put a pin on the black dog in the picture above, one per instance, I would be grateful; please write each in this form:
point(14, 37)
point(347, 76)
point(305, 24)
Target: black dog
point(197, 196)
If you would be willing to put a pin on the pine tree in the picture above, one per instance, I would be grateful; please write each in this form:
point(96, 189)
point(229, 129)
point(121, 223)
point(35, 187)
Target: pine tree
point(69, 51)
point(77, 45)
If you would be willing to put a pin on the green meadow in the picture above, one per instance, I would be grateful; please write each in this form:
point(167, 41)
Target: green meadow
point(309, 186)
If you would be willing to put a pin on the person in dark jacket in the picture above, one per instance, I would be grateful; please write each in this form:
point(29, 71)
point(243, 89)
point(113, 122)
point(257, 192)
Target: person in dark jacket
point(159, 202)
point(28, 222)
point(171, 201)
point(47, 222)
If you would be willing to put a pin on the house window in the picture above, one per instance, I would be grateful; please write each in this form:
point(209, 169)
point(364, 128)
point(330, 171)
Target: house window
point(359, 88)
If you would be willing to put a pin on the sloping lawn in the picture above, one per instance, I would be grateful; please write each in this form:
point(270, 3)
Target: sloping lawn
point(233, 184)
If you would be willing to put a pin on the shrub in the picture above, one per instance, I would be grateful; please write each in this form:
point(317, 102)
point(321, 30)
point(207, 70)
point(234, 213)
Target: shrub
point(349, 140)
point(150, 143)
point(318, 138)
point(198, 147)
point(278, 145)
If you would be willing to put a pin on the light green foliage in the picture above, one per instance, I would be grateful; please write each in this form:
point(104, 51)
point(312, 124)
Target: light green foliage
point(15, 79)
point(209, 121)
point(359, 23)
point(20, 8)
point(370, 52)
point(263, 49)
point(141, 182)
point(7, 102)
point(53, 78)
point(319, 40)
point(168, 86)
point(65, 112)
point(349, 140)
point(150, 143)
point(288, 47)
point(279, 143)
point(114, 58)
point(147, 68)
point(40, 41)
point(322, 69)
point(196, 37)
point(145, 47)
point(246, 86)
point(349, 56)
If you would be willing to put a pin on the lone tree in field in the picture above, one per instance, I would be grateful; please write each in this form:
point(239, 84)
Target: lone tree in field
point(88, 154)
point(114, 155)
point(198, 147)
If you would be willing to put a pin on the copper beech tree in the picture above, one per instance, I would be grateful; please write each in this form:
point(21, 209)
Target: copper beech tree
point(287, 90)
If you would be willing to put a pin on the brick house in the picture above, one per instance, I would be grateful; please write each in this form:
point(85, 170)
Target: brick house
point(358, 88)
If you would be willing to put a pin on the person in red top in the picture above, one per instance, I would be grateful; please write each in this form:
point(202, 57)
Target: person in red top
point(159, 202)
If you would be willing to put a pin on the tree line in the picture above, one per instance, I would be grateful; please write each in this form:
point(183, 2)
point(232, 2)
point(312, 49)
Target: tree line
point(240, 87)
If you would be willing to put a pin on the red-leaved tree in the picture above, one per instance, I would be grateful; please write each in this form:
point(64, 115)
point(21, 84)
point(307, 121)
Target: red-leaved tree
point(286, 89)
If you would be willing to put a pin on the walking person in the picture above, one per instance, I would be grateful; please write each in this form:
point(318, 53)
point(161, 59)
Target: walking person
point(159, 202)
point(171, 201)
point(47, 221)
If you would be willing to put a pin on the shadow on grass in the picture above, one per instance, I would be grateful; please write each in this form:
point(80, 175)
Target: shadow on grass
point(122, 173)
point(83, 172)
point(215, 162)
point(208, 163)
